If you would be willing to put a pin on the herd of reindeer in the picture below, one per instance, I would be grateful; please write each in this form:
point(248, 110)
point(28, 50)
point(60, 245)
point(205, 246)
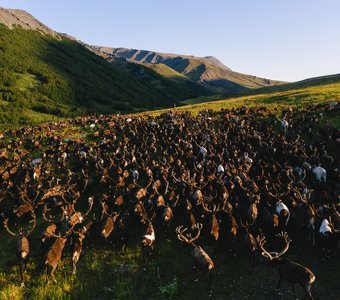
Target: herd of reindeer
point(240, 172)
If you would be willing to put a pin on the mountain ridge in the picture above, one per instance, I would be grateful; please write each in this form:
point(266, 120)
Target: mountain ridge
point(207, 70)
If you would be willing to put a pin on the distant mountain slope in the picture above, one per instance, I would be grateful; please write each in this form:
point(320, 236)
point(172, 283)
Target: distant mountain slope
point(45, 75)
point(310, 82)
point(162, 69)
point(312, 90)
point(208, 71)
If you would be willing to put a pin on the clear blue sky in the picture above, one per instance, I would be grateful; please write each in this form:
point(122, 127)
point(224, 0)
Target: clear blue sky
point(278, 39)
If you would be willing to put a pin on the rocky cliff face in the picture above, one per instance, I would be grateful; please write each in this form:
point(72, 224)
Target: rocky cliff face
point(21, 18)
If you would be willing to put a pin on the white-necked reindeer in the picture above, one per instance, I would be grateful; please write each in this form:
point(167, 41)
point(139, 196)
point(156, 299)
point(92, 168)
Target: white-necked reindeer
point(320, 174)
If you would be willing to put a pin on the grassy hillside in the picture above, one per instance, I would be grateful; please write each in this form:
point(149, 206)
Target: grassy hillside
point(300, 97)
point(168, 82)
point(167, 72)
point(44, 78)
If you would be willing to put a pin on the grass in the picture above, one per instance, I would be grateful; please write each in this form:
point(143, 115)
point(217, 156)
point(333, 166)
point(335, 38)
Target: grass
point(27, 81)
point(166, 71)
point(34, 117)
point(274, 101)
point(202, 99)
point(114, 275)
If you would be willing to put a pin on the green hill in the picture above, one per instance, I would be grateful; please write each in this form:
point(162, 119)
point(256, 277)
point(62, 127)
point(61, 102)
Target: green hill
point(299, 95)
point(310, 82)
point(166, 80)
point(45, 77)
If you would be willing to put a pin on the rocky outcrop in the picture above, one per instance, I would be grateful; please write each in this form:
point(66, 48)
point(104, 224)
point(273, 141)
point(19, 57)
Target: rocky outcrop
point(21, 18)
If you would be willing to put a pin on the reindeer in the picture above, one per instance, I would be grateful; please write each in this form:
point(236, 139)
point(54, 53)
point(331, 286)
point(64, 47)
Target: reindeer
point(78, 217)
point(250, 244)
point(320, 174)
point(283, 213)
point(288, 270)
point(167, 215)
point(215, 227)
point(108, 224)
point(252, 212)
point(23, 248)
point(230, 221)
point(47, 237)
point(189, 213)
point(123, 226)
point(307, 212)
point(54, 253)
point(140, 211)
point(281, 208)
point(326, 231)
point(149, 238)
point(202, 260)
point(165, 211)
point(78, 245)
point(27, 207)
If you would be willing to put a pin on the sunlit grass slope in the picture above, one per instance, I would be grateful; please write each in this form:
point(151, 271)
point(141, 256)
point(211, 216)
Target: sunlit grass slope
point(299, 98)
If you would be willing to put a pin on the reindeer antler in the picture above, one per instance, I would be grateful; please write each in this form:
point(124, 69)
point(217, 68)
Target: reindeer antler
point(269, 192)
point(274, 255)
point(188, 239)
point(28, 199)
point(244, 225)
point(180, 233)
point(55, 191)
point(67, 233)
point(7, 228)
point(34, 220)
point(115, 215)
point(174, 177)
point(51, 220)
point(287, 241)
point(227, 207)
point(205, 207)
